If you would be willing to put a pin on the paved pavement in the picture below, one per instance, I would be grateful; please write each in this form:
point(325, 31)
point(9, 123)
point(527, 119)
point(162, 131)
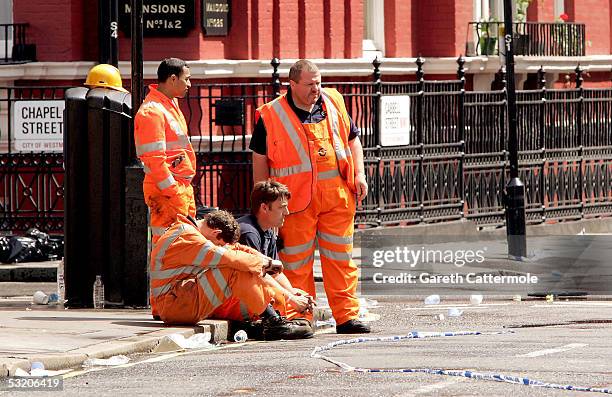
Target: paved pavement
point(63, 339)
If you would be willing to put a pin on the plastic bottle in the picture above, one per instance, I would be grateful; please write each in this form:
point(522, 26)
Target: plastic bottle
point(432, 300)
point(476, 299)
point(61, 286)
point(98, 293)
point(240, 336)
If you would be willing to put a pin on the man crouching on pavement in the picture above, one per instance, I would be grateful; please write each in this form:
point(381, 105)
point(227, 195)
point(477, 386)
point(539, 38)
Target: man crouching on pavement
point(191, 276)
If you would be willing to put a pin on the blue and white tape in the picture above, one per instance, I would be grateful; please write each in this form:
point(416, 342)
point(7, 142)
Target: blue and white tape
point(316, 353)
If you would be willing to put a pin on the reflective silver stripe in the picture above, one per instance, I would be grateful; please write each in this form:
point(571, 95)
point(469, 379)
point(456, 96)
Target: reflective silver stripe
point(298, 264)
point(174, 124)
point(297, 249)
point(202, 253)
point(157, 292)
point(295, 169)
point(147, 170)
point(335, 239)
point(219, 251)
point(341, 152)
point(227, 292)
point(150, 147)
point(174, 272)
point(327, 175)
point(335, 255)
point(293, 135)
point(244, 312)
point(172, 145)
point(157, 230)
point(210, 294)
point(166, 183)
point(166, 243)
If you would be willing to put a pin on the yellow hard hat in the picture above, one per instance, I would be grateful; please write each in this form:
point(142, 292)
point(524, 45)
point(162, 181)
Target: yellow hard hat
point(106, 76)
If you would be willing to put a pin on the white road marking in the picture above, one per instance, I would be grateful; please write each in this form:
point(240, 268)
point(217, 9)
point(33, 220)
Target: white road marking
point(437, 386)
point(544, 352)
point(566, 304)
point(462, 306)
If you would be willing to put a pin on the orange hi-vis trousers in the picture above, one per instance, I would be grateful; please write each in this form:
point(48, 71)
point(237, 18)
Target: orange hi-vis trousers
point(191, 300)
point(328, 220)
point(163, 210)
point(234, 309)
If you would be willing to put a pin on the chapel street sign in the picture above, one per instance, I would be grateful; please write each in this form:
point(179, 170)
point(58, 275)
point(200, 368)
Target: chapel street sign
point(160, 17)
point(215, 17)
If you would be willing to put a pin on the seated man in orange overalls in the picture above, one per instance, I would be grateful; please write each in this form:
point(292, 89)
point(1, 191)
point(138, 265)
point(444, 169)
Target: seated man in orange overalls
point(268, 210)
point(191, 276)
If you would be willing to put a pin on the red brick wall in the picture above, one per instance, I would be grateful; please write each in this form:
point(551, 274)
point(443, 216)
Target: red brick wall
point(436, 28)
point(541, 11)
point(56, 28)
point(596, 15)
point(398, 28)
point(353, 28)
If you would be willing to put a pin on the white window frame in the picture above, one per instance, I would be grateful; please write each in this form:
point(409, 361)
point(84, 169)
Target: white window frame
point(6, 16)
point(559, 8)
point(374, 26)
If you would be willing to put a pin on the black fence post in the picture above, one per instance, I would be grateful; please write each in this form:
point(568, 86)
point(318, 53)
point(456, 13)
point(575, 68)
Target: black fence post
point(377, 78)
point(542, 139)
point(420, 75)
point(461, 131)
point(276, 84)
point(580, 137)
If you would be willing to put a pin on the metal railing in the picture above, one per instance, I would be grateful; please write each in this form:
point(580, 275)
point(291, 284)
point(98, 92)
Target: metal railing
point(14, 46)
point(455, 167)
point(530, 38)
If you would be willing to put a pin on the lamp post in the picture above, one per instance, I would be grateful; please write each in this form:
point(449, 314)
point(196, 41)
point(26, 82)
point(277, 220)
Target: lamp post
point(515, 190)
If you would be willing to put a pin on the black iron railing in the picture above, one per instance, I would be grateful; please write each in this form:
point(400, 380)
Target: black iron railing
point(14, 46)
point(530, 39)
point(454, 167)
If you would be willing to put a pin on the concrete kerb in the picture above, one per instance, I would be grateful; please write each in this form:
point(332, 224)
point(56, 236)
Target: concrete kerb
point(128, 345)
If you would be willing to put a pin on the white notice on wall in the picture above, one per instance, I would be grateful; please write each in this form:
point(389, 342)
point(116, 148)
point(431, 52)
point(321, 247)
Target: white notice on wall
point(395, 120)
point(38, 126)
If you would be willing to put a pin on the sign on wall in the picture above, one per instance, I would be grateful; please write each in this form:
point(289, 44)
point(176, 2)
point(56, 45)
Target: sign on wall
point(395, 120)
point(215, 17)
point(160, 17)
point(38, 126)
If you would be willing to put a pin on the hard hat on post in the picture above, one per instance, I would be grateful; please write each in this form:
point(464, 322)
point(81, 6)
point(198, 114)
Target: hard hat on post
point(105, 76)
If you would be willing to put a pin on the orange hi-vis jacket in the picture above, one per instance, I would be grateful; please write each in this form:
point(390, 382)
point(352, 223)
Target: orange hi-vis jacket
point(292, 157)
point(191, 276)
point(162, 143)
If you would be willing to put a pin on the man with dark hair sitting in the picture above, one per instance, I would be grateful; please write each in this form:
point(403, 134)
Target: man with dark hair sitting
point(268, 211)
point(191, 275)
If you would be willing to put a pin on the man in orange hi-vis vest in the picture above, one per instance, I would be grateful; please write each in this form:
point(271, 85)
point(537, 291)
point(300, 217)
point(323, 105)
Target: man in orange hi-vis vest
point(306, 140)
point(163, 145)
point(191, 276)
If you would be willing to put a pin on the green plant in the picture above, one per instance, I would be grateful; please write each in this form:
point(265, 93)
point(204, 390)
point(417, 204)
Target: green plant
point(521, 9)
point(487, 39)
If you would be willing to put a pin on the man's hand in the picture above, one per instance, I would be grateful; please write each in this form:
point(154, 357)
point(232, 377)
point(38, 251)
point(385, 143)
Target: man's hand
point(302, 303)
point(361, 186)
point(272, 267)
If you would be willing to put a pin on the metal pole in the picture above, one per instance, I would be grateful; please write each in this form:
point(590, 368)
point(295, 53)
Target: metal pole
point(114, 32)
point(137, 88)
point(136, 291)
point(515, 190)
point(103, 39)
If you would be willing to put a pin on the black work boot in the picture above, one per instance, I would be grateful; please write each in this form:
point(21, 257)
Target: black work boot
point(353, 327)
point(276, 327)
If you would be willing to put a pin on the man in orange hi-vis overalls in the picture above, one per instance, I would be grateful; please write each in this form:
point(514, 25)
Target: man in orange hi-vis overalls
point(163, 145)
point(306, 140)
point(191, 276)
